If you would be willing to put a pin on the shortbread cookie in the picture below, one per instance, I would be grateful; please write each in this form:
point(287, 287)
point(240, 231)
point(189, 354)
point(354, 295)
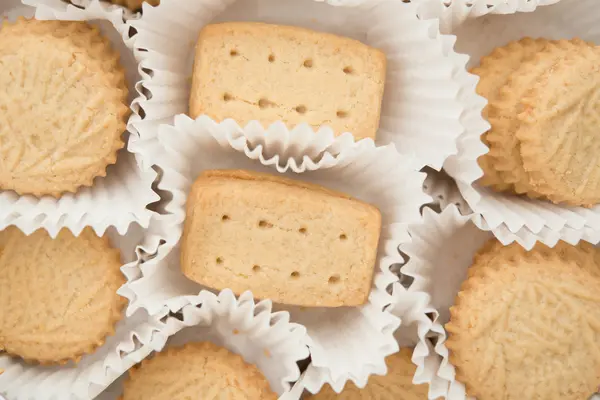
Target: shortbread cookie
point(135, 5)
point(253, 71)
point(286, 240)
point(59, 296)
point(396, 384)
point(560, 145)
point(63, 106)
point(494, 71)
point(196, 371)
point(526, 325)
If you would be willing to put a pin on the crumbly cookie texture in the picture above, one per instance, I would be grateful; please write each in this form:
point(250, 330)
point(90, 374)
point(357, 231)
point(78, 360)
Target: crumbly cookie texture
point(196, 368)
point(526, 324)
point(254, 71)
point(63, 103)
point(135, 5)
point(59, 296)
point(396, 384)
point(286, 240)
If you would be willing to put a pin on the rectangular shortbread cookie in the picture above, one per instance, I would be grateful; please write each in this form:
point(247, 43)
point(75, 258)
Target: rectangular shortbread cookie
point(253, 71)
point(289, 241)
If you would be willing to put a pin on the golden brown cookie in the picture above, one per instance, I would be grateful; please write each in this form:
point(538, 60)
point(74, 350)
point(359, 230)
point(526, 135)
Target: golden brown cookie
point(59, 296)
point(135, 5)
point(558, 132)
point(396, 384)
point(196, 370)
point(283, 239)
point(63, 106)
point(526, 324)
point(494, 71)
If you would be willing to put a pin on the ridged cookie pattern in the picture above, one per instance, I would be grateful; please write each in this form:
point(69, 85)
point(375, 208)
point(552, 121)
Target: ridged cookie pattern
point(526, 324)
point(59, 296)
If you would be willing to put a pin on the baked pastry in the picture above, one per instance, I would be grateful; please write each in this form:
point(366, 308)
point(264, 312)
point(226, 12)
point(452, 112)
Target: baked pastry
point(59, 296)
point(540, 144)
point(196, 370)
point(286, 240)
point(253, 71)
point(526, 324)
point(396, 384)
point(63, 106)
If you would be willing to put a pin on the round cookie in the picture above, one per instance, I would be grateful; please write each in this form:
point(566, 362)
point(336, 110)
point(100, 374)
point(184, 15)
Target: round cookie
point(526, 325)
point(59, 296)
point(63, 106)
point(494, 71)
point(180, 373)
point(396, 384)
point(559, 119)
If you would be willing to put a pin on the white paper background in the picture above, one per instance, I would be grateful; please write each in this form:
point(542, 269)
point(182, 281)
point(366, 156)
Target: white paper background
point(121, 197)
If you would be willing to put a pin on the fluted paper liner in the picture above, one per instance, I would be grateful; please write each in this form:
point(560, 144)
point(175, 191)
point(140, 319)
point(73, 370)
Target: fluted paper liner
point(120, 198)
point(346, 343)
point(261, 336)
point(513, 218)
point(453, 13)
point(132, 340)
point(419, 107)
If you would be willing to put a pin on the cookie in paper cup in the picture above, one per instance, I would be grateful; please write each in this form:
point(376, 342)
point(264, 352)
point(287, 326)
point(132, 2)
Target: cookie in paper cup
point(418, 60)
point(518, 218)
point(453, 13)
point(93, 354)
point(246, 341)
point(125, 183)
point(347, 342)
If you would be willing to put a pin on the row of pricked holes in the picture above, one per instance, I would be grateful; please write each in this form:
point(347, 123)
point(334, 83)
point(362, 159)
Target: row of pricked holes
point(301, 109)
point(308, 63)
point(265, 224)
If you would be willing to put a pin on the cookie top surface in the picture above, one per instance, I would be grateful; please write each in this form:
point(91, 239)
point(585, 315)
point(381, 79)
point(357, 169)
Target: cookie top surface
point(526, 325)
point(560, 115)
point(180, 373)
point(63, 106)
point(59, 296)
point(397, 384)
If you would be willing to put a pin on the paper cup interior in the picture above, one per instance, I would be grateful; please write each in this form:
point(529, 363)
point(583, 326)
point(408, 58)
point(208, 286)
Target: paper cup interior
point(512, 217)
point(121, 197)
point(377, 175)
point(419, 106)
point(262, 337)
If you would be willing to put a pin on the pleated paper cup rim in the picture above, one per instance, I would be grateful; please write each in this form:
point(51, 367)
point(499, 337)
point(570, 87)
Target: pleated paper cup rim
point(453, 13)
point(127, 183)
point(162, 285)
point(133, 340)
point(422, 109)
point(513, 218)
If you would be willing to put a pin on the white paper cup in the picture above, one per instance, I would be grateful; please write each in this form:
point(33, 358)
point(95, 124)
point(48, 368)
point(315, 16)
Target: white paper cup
point(511, 217)
point(346, 343)
point(262, 337)
point(453, 13)
point(132, 341)
point(120, 198)
point(443, 191)
point(420, 106)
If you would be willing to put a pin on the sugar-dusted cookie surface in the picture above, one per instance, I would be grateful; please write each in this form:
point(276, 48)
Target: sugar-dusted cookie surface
point(63, 106)
point(526, 324)
point(196, 371)
point(286, 240)
point(254, 71)
point(396, 384)
point(59, 296)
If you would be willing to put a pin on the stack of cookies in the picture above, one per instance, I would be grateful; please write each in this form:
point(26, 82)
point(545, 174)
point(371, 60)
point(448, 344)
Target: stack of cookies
point(544, 109)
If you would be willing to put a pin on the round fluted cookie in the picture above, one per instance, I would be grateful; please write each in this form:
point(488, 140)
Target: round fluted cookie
point(196, 370)
point(59, 296)
point(494, 71)
point(396, 384)
point(63, 106)
point(526, 324)
point(559, 120)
